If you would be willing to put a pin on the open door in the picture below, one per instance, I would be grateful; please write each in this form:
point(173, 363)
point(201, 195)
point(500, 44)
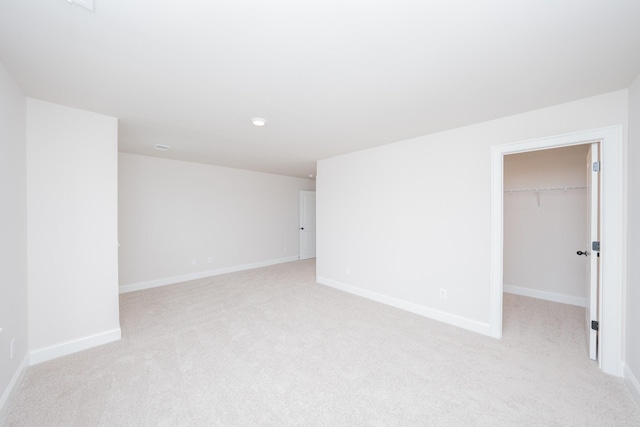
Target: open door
point(307, 224)
point(592, 251)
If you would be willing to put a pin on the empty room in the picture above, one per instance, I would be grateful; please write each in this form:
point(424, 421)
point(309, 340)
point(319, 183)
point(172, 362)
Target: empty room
point(319, 213)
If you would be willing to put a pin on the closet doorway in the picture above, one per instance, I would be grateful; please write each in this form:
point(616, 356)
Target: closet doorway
point(547, 222)
point(611, 206)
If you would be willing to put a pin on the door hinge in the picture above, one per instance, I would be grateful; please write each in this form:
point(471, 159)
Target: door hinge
point(596, 166)
point(595, 246)
point(595, 325)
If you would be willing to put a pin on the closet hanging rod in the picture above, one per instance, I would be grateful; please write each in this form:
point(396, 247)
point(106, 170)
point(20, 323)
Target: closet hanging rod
point(538, 190)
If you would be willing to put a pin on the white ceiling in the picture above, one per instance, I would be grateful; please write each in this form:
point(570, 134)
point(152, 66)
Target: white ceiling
point(330, 76)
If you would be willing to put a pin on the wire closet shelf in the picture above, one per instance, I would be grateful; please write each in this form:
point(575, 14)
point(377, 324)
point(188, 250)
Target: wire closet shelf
point(543, 189)
point(537, 191)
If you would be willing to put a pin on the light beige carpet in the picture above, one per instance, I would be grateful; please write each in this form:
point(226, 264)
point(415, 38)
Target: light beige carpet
point(272, 347)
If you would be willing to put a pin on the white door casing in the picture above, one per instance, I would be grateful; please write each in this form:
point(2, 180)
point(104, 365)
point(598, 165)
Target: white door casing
point(307, 224)
point(592, 254)
point(612, 237)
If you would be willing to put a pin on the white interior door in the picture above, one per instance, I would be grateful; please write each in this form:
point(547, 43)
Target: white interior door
point(307, 224)
point(592, 251)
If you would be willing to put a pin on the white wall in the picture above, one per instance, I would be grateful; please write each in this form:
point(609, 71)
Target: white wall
point(632, 358)
point(541, 240)
point(399, 222)
point(173, 212)
point(13, 234)
point(72, 229)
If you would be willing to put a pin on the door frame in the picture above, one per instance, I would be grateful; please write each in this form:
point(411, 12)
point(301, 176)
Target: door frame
point(613, 253)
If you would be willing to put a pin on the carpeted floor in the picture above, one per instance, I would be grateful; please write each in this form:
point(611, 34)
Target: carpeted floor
point(272, 347)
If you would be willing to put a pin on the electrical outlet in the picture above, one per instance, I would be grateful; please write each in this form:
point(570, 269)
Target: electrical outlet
point(348, 271)
point(194, 262)
point(210, 260)
point(443, 293)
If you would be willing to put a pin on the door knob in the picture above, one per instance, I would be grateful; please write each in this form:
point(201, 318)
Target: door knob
point(582, 253)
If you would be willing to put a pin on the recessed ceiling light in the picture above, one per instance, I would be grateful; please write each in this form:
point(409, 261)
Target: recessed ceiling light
point(161, 147)
point(258, 121)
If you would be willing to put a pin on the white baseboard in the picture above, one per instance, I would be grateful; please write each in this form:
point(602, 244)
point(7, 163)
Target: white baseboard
point(200, 275)
point(632, 382)
point(549, 296)
point(431, 313)
point(13, 385)
point(52, 352)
